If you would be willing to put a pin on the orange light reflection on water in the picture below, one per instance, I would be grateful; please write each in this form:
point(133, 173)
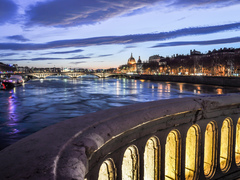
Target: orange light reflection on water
point(219, 91)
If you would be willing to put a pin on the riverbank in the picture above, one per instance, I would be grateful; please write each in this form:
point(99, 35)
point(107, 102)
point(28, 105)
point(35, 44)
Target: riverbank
point(208, 80)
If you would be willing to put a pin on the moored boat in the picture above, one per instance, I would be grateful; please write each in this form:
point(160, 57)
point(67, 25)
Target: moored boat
point(13, 81)
point(2, 86)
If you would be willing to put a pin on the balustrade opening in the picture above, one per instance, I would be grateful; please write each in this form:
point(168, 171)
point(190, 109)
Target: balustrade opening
point(152, 159)
point(237, 146)
point(226, 144)
point(210, 149)
point(172, 156)
point(192, 153)
point(107, 170)
point(130, 164)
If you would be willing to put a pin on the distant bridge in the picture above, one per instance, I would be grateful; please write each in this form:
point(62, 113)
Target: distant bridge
point(70, 74)
point(42, 75)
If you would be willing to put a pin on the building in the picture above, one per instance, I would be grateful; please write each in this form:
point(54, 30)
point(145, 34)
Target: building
point(154, 58)
point(132, 67)
point(7, 67)
point(139, 65)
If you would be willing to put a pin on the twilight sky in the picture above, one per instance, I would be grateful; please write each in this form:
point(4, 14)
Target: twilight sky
point(103, 33)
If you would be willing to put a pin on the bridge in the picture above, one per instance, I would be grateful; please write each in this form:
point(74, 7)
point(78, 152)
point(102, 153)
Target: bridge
point(42, 75)
point(186, 138)
point(70, 74)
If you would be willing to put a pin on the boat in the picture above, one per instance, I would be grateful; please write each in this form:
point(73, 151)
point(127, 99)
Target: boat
point(13, 81)
point(2, 86)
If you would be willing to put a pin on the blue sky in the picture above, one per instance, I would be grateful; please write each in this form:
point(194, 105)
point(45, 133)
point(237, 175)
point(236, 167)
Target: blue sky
point(104, 33)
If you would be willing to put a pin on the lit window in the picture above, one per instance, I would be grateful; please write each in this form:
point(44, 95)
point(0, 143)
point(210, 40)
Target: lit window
point(237, 147)
point(152, 159)
point(107, 170)
point(192, 153)
point(172, 156)
point(210, 149)
point(130, 164)
point(226, 145)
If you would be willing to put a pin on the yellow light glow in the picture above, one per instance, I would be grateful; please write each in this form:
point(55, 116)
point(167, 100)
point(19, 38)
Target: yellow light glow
point(107, 170)
point(210, 149)
point(152, 159)
point(192, 151)
point(237, 147)
point(226, 145)
point(130, 164)
point(172, 155)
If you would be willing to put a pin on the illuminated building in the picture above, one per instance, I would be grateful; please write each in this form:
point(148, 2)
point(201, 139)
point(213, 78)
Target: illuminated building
point(132, 64)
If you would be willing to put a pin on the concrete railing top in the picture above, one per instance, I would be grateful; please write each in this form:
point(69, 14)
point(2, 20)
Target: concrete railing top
point(62, 151)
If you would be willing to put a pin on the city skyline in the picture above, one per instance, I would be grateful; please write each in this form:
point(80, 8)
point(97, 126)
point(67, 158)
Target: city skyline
point(103, 34)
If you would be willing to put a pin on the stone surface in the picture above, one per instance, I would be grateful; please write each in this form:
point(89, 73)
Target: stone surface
point(61, 151)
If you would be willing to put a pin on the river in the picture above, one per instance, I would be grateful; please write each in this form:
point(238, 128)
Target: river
point(43, 102)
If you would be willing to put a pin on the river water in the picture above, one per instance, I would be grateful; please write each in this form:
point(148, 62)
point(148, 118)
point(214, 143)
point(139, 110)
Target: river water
point(40, 103)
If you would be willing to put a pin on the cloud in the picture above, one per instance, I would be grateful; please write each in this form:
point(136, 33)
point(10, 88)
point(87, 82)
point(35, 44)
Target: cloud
point(105, 55)
point(210, 42)
point(79, 57)
point(131, 46)
point(75, 12)
point(7, 54)
point(32, 59)
point(85, 12)
point(127, 39)
point(39, 59)
point(78, 62)
point(204, 3)
point(18, 38)
point(8, 10)
point(47, 58)
point(65, 52)
point(127, 47)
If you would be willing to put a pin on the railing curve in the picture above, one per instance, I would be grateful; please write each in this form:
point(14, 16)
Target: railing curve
point(95, 146)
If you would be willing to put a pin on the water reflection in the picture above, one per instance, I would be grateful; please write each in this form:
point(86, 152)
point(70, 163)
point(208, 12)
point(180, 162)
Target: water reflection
point(133, 87)
point(168, 88)
point(160, 88)
point(219, 91)
point(180, 87)
point(42, 102)
point(198, 89)
point(118, 88)
point(12, 115)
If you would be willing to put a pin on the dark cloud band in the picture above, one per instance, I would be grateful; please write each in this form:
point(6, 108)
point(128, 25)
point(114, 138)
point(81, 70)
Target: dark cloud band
point(65, 52)
point(81, 12)
point(8, 9)
point(18, 38)
point(127, 39)
point(47, 59)
point(210, 42)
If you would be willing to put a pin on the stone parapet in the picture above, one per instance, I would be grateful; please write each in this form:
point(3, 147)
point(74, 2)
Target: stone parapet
point(77, 148)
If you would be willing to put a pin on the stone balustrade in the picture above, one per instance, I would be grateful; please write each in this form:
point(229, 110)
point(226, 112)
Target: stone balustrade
point(188, 138)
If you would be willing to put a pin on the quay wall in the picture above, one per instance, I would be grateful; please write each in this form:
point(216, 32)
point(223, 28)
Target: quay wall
point(209, 80)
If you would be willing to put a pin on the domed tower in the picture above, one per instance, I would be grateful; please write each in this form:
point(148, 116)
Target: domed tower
point(131, 64)
point(131, 60)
